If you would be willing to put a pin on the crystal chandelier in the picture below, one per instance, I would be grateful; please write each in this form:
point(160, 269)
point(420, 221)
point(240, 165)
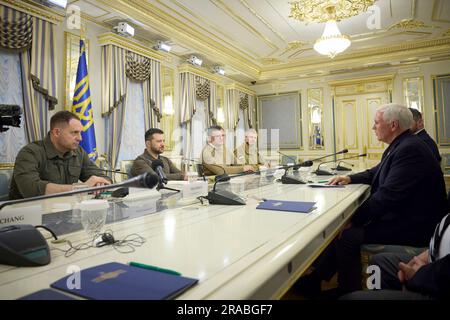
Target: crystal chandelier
point(332, 42)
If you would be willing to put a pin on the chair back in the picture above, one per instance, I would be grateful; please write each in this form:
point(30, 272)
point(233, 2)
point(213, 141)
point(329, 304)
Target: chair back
point(6, 172)
point(125, 166)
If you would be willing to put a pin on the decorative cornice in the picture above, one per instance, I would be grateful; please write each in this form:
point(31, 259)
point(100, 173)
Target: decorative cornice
point(446, 33)
point(199, 72)
point(35, 9)
point(377, 55)
point(154, 17)
point(410, 24)
point(383, 77)
point(129, 44)
point(241, 88)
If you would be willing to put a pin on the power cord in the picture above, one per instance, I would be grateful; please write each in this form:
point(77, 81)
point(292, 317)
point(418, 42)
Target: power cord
point(127, 245)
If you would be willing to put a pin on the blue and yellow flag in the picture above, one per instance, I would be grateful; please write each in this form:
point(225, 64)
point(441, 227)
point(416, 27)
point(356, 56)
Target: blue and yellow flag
point(82, 106)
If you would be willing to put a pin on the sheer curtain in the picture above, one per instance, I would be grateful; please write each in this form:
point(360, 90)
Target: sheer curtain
point(133, 129)
point(240, 129)
point(198, 135)
point(14, 139)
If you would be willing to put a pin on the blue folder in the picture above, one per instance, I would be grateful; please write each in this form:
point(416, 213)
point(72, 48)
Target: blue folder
point(46, 294)
point(281, 205)
point(117, 281)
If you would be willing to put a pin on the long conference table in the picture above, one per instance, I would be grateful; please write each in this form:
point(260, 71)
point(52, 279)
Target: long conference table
point(236, 252)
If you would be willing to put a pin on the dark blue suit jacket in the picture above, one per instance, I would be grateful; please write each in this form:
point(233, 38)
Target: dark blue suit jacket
point(408, 196)
point(430, 143)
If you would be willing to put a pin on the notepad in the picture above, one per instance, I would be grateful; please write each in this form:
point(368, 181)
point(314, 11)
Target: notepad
point(281, 205)
point(117, 281)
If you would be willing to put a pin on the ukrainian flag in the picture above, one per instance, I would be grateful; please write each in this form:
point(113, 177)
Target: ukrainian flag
point(82, 106)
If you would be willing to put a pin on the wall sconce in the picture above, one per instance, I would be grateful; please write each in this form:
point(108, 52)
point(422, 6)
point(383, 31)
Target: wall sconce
point(195, 61)
point(315, 115)
point(220, 115)
point(162, 46)
point(168, 105)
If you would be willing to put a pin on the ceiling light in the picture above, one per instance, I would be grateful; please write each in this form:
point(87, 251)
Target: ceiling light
point(219, 70)
point(332, 42)
point(125, 29)
point(195, 60)
point(160, 45)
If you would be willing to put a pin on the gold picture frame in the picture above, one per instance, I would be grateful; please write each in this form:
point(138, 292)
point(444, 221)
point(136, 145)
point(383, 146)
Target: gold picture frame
point(71, 62)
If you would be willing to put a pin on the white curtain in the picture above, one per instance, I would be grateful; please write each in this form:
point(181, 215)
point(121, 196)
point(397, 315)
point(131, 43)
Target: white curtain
point(240, 129)
point(14, 139)
point(198, 136)
point(133, 129)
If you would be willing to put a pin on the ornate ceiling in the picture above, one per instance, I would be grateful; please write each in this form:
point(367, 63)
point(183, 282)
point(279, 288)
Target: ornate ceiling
point(257, 40)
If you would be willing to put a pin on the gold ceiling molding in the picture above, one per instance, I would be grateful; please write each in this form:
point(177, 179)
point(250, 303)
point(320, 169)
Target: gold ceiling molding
point(293, 45)
point(410, 24)
point(35, 9)
point(446, 33)
point(129, 44)
point(267, 61)
point(267, 24)
point(316, 10)
point(377, 78)
point(241, 88)
point(379, 54)
point(221, 4)
point(437, 10)
point(229, 41)
point(157, 19)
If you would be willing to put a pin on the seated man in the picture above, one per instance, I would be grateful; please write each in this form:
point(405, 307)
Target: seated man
point(405, 277)
point(418, 129)
point(215, 157)
point(247, 153)
point(407, 200)
point(154, 147)
point(52, 165)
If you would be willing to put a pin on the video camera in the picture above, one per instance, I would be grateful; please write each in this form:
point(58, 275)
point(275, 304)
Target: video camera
point(9, 116)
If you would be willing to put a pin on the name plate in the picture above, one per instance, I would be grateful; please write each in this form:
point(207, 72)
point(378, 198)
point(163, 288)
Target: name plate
point(25, 215)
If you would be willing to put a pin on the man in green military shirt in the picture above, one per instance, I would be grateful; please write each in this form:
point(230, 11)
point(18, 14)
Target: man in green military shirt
point(52, 165)
point(154, 147)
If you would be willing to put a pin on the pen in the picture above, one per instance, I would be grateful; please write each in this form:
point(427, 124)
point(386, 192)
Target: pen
point(149, 267)
point(322, 181)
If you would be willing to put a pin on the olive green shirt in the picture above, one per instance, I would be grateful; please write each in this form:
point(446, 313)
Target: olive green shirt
point(217, 160)
point(39, 163)
point(143, 164)
point(246, 155)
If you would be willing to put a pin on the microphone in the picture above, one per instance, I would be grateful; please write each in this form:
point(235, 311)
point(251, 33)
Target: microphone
point(320, 172)
point(285, 179)
point(227, 197)
point(157, 166)
point(145, 180)
point(324, 172)
point(341, 168)
point(115, 171)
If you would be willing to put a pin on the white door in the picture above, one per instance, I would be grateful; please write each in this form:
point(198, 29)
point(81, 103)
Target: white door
point(354, 121)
